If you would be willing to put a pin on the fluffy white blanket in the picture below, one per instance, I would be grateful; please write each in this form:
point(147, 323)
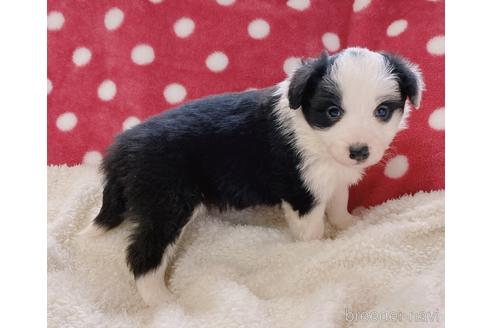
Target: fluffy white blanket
point(242, 269)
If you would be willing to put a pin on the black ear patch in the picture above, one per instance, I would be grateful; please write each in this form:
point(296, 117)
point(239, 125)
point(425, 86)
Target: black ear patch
point(305, 80)
point(409, 78)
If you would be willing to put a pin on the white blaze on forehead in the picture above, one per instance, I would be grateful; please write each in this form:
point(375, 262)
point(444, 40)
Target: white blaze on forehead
point(363, 79)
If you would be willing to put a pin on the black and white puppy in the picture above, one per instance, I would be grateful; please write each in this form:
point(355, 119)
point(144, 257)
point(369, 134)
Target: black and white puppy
point(299, 144)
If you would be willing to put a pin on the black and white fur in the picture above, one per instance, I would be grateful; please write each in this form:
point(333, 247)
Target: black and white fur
point(276, 146)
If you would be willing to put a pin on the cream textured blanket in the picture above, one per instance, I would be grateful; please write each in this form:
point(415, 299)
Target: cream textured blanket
point(242, 269)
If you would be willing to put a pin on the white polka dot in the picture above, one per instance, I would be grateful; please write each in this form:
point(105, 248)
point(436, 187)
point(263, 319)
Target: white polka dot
point(226, 2)
point(217, 61)
point(331, 41)
point(92, 158)
point(81, 56)
point(156, 1)
point(55, 20)
point(106, 90)
point(66, 121)
point(250, 89)
point(258, 29)
point(50, 86)
point(113, 18)
point(290, 64)
point(397, 27)
point(184, 27)
point(130, 122)
point(436, 119)
point(299, 4)
point(143, 54)
point(360, 4)
point(174, 93)
point(396, 167)
point(435, 46)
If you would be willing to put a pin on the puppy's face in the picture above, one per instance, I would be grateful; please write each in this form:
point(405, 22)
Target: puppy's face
point(355, 101)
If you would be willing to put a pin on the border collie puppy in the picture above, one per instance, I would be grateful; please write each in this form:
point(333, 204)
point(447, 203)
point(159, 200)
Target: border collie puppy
point(299, 144)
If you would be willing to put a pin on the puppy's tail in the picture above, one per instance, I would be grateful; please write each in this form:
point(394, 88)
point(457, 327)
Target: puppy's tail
point(112, 211)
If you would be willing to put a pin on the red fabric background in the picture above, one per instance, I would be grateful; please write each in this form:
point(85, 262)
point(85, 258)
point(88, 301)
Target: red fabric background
point(253, 63)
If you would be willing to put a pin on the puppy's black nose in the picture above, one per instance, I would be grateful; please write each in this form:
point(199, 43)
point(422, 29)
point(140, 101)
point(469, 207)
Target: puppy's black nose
point(359, 152)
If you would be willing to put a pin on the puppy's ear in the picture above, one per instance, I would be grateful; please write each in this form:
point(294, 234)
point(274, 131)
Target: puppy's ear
point(409, 77)
point(305, 79)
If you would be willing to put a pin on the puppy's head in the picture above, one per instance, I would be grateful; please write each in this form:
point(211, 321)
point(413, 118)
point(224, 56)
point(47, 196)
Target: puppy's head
point(355, 101)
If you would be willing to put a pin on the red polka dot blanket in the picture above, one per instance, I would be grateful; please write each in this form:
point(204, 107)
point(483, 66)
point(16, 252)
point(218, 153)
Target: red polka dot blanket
point(112, 64)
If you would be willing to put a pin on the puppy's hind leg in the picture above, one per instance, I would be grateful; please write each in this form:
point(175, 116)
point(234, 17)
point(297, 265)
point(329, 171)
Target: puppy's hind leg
point(151, 250)
point(112, 210)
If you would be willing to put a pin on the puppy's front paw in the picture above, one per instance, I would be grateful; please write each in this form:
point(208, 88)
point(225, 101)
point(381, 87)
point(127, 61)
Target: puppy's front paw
point(313, 232)
point(306, 230)
point(360, 211)
point(153, 289)
point(344, 222)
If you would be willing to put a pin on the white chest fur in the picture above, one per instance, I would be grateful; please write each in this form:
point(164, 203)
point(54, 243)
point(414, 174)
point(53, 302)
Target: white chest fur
point(324, 177)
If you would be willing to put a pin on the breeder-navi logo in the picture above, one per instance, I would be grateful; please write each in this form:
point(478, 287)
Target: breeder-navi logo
point(392, 316)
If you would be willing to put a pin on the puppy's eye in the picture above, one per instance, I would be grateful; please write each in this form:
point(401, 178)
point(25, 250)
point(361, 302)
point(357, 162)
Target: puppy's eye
point(334, 112)
point(382, 112)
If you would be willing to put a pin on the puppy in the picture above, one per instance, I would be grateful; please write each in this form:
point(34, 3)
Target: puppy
point(299, 144)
